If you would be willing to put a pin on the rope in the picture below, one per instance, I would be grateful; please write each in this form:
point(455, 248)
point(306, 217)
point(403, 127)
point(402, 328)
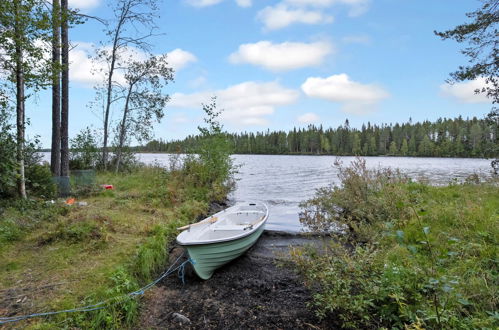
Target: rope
point(103, 304)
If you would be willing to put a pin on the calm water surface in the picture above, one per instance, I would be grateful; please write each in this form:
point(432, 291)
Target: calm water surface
point(284, 181)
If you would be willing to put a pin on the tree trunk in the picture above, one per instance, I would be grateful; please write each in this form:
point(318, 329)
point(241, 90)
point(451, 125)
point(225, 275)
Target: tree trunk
point(64, 90)
point(117, 33)
point(20, 111)
point(123, 129)
point(107, 110)
point(55, 155)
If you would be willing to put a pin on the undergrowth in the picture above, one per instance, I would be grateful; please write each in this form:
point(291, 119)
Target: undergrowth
point(405, 254)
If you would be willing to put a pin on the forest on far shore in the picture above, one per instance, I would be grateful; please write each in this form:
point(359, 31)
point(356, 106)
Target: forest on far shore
point(456, 137)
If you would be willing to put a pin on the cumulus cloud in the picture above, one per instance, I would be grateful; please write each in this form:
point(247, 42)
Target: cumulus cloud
point(247, 103)
point(87, 72)
point(356, 98)
point(282, 57)
point(83, 4)
point(282, 15)
point(244, 3)
point(203, 3)
point(308, 118)
point(178, 59)
point(465, 91)
point(81, 68)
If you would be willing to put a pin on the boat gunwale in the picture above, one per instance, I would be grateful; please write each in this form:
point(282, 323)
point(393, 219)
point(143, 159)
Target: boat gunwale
point(231, 238)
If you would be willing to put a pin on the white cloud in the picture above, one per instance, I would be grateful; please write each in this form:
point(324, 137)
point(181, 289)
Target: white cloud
point(247, 103)
point(179, 58)
point(281, 15)
point(83, 4)
point(282, 57)
point(355, 97)
point(83, 70)
point(308, 118)
point(244, 3)
point(465, 91)
point(203, 3)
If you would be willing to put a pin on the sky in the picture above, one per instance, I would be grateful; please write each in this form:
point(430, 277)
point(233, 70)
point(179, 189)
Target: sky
point(286, 63)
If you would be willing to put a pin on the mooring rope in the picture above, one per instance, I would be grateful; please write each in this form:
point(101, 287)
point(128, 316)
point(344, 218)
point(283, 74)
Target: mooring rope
point(104, 303)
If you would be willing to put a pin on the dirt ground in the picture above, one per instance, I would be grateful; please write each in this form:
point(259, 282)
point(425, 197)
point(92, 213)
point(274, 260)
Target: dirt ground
point(255, 291)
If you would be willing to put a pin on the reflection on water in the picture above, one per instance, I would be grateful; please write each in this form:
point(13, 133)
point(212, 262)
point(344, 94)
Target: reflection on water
point(284, 181)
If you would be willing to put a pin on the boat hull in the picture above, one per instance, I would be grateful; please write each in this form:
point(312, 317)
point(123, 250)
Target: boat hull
point(206, 258)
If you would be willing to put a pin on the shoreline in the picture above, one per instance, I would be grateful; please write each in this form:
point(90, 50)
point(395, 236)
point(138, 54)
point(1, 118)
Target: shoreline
point(257, 290)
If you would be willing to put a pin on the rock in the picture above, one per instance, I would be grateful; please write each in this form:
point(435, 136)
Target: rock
point(180, 318)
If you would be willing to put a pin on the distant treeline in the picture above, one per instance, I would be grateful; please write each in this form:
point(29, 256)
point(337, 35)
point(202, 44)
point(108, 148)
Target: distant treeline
point(444, 138)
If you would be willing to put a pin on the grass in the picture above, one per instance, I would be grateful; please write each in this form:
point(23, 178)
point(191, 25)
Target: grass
point(74, 255)
point(432, 264)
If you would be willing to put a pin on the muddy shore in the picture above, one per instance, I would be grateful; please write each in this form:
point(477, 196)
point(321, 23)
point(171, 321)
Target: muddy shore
point(255, 291)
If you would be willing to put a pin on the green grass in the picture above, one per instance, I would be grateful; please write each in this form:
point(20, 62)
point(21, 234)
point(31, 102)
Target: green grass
point(432, 265)
point(110, 247)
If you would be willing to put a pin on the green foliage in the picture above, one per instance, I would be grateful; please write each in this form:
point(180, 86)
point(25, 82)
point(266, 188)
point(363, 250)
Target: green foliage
point(84, 153)
point(456, 137)
point(39, 181)
point(366, 198)
point(9, 230)
point(481, 36)
point(38, 178)
point(120, 311)
point(210, 173)
point(7, 156)
point(431, 262)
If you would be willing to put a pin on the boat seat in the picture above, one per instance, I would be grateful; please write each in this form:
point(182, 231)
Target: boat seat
point(249, 212)
point(230, 228)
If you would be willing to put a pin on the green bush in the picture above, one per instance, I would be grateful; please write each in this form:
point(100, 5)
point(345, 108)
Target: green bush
point(8, 163)
point(9, 230)
point(84, 152)
point(210, 173)
point(39, 181)
point(366, 198)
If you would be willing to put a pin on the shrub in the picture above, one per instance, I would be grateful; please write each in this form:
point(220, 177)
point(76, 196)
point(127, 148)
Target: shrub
point(8, 163)
point(84, 152)
point(210, 173)
point(365, 198)
point(39, 181)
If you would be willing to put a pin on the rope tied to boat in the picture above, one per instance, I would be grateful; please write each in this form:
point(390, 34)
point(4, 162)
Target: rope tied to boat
point(111, 301)
point(181, 269)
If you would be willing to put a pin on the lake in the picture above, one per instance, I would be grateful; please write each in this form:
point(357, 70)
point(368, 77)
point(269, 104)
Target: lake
point(283, 181)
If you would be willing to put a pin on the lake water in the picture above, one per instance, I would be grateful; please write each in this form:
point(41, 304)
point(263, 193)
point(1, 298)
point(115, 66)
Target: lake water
point(282, 182)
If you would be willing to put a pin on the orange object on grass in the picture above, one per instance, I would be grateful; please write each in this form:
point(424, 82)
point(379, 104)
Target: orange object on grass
point(70, 201)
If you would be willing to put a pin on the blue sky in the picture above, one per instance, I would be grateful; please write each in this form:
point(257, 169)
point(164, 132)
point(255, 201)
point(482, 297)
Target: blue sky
point(279, 64)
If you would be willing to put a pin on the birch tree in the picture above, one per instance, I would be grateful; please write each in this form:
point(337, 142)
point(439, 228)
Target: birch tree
point(132, 26)
point(144, 100)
